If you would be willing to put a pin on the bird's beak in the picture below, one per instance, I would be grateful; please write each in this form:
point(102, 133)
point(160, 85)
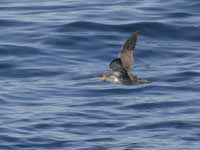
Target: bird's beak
point(101, 76)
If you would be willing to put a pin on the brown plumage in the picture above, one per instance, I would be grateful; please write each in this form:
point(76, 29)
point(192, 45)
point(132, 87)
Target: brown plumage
point(126, 54)
point(122, 66)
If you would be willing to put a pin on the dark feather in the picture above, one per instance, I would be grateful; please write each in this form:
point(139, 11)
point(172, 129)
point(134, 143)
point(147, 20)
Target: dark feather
point(116, 65)
point(126, 54)
point(131, 42)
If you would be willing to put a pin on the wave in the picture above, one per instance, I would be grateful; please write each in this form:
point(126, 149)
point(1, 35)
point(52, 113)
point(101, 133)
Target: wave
point(156, 105)
point(14, 23)
point(19, 50)
point(176, 124)
point(153, 29)
point(28, 73)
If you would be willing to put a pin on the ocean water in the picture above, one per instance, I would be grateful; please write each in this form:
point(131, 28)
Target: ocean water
point(51, 51)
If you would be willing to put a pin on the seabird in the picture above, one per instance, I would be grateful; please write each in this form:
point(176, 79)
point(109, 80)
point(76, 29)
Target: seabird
point(122, 65)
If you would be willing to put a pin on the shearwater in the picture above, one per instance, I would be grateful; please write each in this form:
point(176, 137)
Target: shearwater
point(121, 67)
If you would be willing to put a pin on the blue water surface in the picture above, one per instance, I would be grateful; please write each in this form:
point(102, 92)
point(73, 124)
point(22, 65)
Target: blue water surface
point(51, 51)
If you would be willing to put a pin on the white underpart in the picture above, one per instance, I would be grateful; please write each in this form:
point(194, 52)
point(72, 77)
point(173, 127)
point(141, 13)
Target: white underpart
point(116, 73)
point(115, 77)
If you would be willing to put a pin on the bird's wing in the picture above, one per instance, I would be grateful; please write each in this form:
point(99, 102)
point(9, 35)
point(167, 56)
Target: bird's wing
point(126, 54)
point(116, 65)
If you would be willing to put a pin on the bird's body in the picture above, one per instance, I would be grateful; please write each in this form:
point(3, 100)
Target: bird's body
point(122, 78)
point(110, 76)
point(122, 66)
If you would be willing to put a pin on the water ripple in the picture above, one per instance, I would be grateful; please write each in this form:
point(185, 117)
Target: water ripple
point(163, 125)
point(152, 29)
point(51, 51)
